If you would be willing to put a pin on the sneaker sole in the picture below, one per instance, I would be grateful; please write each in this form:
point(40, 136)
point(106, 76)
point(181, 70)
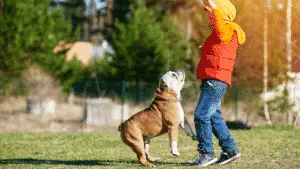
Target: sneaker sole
point(231, 159)
point(209, 163)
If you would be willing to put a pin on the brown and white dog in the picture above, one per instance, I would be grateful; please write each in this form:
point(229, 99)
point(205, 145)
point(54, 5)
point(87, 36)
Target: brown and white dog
point(164, 115)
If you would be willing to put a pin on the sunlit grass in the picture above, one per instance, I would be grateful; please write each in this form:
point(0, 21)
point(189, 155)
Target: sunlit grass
point(262, 147)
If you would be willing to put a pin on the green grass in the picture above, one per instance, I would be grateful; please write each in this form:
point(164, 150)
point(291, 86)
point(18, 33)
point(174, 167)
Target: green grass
point(262, 147)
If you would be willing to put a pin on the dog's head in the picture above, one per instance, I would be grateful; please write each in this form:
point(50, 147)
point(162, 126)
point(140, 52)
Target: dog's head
point(173, 80)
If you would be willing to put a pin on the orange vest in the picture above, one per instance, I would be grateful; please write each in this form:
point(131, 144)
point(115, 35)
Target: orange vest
point(218, 56)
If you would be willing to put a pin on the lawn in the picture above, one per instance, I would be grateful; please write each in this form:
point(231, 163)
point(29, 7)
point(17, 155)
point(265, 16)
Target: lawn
point(261, 147)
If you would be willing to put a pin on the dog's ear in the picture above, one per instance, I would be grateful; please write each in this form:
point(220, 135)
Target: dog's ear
point(158, 91)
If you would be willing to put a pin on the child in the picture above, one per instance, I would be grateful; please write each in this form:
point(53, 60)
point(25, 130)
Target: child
point(215, 70)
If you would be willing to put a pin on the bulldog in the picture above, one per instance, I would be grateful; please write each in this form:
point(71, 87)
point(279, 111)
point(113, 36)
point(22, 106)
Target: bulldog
point(164, 115)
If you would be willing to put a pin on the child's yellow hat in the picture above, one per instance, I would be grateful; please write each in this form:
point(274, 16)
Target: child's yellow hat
point(228, 12)
point(226, 8)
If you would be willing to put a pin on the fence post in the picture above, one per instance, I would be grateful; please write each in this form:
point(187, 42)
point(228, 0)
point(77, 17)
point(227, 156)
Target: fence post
point(123, 100)
point(236, 99)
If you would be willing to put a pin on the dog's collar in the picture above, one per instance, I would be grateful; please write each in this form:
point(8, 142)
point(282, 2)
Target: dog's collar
point(167, 100)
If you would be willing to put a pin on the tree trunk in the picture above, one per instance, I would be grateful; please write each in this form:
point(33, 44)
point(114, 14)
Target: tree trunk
point(266, 108)
point(188, 35)
point(110, 6)
point(289, 49)
point(109, 18)
point(297, 119)
point(189, 25)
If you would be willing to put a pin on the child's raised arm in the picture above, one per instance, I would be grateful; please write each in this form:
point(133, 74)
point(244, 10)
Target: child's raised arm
point(218, 23)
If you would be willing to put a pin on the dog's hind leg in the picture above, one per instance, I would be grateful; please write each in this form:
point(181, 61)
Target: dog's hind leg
point(138, 148)
point(147, 146)
point(134, 139)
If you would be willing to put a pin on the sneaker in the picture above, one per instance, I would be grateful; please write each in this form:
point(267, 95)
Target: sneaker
point(228, 156)
point(204, 159)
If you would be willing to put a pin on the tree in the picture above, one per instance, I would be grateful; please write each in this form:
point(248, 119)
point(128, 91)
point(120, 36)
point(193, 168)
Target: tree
point(177, 47)
point(29, 32)
point(139, 46)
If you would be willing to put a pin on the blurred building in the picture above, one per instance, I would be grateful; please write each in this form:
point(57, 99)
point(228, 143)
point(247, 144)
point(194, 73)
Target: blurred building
point(94, 17)
point(86, 52)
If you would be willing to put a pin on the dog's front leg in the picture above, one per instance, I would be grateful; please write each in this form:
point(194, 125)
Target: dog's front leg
point(173, 135)
point(172, 121)
point(188, 130)
point(184, 124)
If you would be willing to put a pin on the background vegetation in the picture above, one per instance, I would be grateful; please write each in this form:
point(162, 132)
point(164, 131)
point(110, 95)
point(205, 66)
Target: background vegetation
point(149, 37)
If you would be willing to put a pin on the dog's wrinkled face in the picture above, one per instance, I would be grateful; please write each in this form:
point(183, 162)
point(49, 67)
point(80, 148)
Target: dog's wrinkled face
point(173, 80)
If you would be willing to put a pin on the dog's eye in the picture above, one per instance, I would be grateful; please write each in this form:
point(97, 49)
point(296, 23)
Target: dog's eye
point(174, 75)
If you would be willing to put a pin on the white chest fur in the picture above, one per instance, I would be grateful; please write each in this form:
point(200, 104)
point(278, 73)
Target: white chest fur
point(180, 110)
point(180, 115)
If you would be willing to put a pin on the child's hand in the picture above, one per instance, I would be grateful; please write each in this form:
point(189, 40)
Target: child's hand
point(212, 4)
point(201, 3)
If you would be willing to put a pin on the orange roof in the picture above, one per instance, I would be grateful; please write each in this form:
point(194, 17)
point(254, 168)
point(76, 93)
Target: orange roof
point(78, 50)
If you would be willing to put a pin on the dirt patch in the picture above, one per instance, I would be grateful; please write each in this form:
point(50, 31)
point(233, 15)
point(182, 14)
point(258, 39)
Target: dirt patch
point(69, 117)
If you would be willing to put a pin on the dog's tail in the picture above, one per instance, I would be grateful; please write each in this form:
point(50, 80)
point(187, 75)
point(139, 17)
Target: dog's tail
point(121, 126)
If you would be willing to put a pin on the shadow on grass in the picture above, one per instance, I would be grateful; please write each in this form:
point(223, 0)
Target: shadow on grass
point(31, 161)
point(237, 125)
point(66, 162)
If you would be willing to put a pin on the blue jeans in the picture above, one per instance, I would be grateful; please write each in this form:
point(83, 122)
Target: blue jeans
point(208, 119)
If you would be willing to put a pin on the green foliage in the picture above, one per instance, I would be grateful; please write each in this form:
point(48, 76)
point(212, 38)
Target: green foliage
point(177, 48)
point(29, 32)
point(145, 47)
point(15, 39)
point(148, 44)
point(139, 46)
point(103, 68)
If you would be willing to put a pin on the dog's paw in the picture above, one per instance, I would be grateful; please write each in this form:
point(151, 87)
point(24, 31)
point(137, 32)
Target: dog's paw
point(176, 153)
point(153, 159)
point(174, 148)
point(181, 124)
